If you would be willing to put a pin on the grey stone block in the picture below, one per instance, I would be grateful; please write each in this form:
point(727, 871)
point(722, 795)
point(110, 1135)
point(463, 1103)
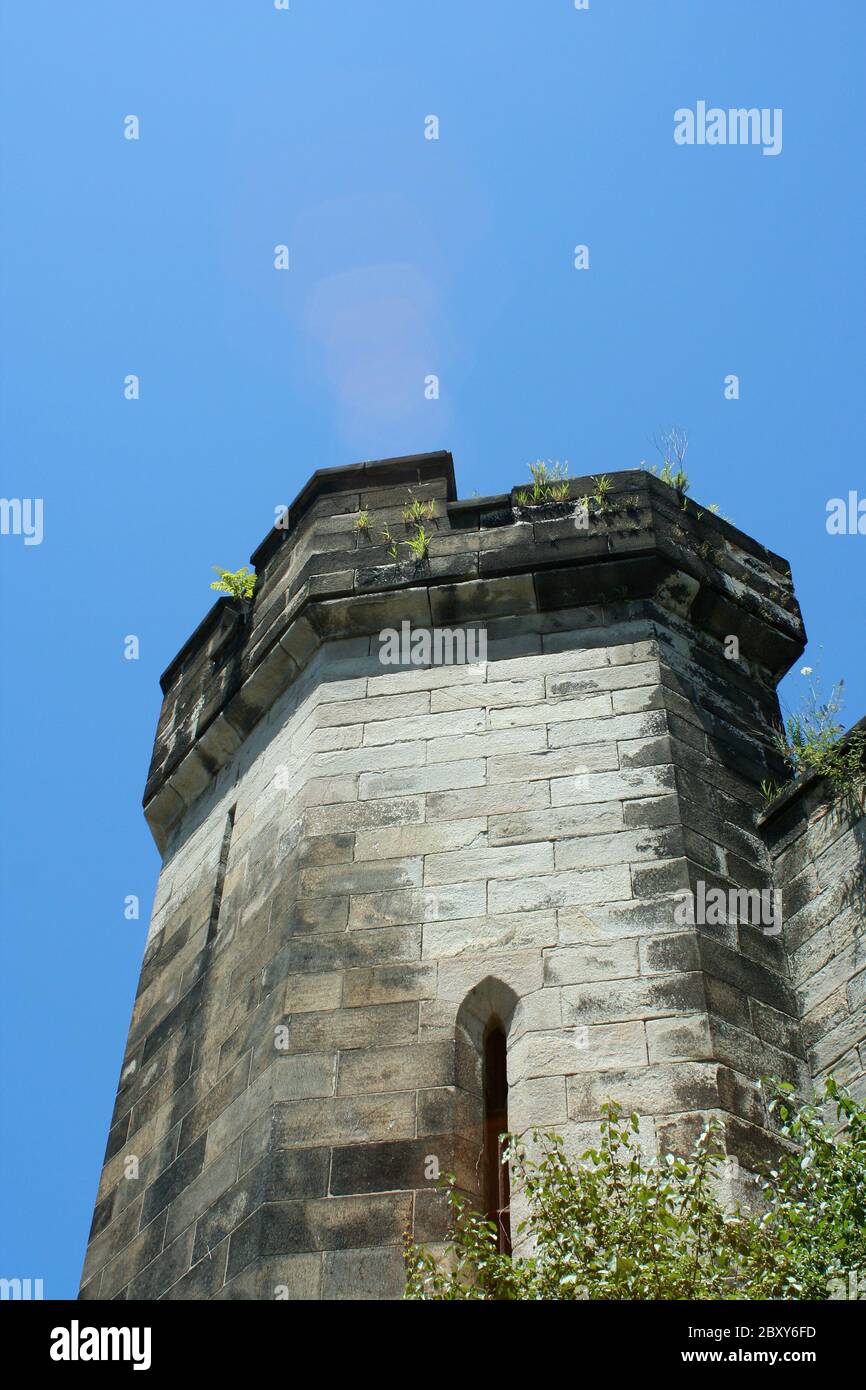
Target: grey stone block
point(609, 1002)
point(569, 965)
point(348, 1028)
point(670, 1039)
point(379, 1070)
point(461, 866)
point(389, 984)
point(487, 801)
point(476, 936)
point(563, 823)
point(363, 1274)
point(565, 1052)
point(658, 1089)
point(344, 1119)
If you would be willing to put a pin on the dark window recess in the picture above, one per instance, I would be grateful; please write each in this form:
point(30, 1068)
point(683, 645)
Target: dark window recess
point(216, 901)
point(497, 1195)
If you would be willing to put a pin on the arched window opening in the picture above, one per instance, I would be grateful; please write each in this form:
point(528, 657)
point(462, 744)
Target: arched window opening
point(497, 1195)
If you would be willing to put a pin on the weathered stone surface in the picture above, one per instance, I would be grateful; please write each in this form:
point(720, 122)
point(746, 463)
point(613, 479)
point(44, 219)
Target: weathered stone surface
point(566, 822)
point(463, 866)
point(487, 801)
point(669, 1039)
point(560, 889)
point(423, 905)
point(564, 1052)
point(363, 1274)
point(361, 816)
point(397, 842)
point(629, 847)
point(521, 970)
point(198, 1195)
point(538, 1100)
point(445, 777)
point(379, 1070)
point(489, 695)
point(478, 935)
point(570, 965)
point(658, 1089)
point(409, 854)
point(604, 1002)
point(344, 1119)
point(309, 993)
point(389, 984)
point(359, 1027)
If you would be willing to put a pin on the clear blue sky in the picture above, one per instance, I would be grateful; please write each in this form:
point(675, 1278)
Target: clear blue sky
point(408, 257)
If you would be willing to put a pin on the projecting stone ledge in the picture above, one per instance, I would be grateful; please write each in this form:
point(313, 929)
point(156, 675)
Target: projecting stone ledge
point(321, 577)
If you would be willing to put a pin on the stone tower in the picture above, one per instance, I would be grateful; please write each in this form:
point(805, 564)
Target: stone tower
point(411, 808)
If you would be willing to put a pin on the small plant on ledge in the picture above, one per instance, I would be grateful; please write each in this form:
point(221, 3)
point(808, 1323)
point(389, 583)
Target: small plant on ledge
point(812, 740)
point(389, 542)
point(678, 481)
point(363, 524)
point(672, 446)
point(549, 485)
point(419, 544)
point(416, 512)
point(602, 490)
point(238, 583)
point(770, 790)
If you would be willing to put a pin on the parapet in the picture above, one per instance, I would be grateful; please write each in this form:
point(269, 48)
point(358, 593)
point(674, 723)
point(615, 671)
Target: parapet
point(321, 577)
point(816, 839)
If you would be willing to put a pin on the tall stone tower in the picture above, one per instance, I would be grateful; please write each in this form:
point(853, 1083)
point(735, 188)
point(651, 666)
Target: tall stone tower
point(428, 826)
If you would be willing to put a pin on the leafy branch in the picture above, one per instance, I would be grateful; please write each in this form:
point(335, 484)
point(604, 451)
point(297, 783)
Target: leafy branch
point(239, 583)
point(618, 1225)
point(812, 739)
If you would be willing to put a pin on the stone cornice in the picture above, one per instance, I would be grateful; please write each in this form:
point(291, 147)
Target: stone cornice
point(319, 579)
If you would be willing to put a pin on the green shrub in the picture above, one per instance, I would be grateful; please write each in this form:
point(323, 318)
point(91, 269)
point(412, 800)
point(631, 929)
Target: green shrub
point(811, 740)
point(239, 583)
point(617, 1225)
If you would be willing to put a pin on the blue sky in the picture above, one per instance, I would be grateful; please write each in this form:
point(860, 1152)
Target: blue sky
point(408, 257)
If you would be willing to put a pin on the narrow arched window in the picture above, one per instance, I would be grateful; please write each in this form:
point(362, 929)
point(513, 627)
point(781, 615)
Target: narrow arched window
point(496, 1187)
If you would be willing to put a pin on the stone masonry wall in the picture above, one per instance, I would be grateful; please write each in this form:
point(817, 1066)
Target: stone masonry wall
point(818, 845)
point(363, 864)
point(398, 839)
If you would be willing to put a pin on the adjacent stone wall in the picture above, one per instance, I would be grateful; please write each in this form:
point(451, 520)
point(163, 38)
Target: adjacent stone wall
point(818, 845)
